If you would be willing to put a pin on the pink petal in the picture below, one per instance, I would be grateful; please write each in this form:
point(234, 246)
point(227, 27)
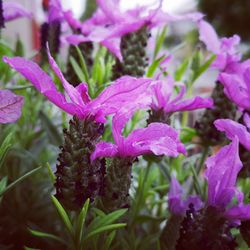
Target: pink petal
point(235, 89)
point(12, 11)
point(73, 22)
point(43, 83)
point(10, 106)
point(221, 174)
point(157, 138)
point(209, 37)
point(104, 149)
point(72, 92)
point(190, 104)
point(126, 91)
point(232, 129)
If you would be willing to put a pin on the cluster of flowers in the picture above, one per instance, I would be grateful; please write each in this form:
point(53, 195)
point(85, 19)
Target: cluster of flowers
point(128, 94)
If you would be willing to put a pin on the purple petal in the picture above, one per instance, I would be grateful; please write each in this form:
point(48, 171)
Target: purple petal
point(43, 83)
point(238, 213)
point(232, 129)
point(190, 104)
point(104, 149)
point(157, 138)
point(72, 92)
point(55, 11)
point(10, 106)
point(235, 89)
point(121, 93)
point(74, 23)
point(13, 11)
point(209, 37)
point(221, 174)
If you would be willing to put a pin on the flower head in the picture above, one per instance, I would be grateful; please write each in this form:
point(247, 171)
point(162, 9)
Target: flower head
point(237, 84)
point(157, 138)
point(10, 106)
point(224, 48)
point(109, 23)
point(162, 98)
point(124, 91)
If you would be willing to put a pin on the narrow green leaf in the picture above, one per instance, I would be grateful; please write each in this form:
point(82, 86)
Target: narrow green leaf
point(83, 64)
point(81, 221)
point(50, 172)
point(30, 248)
point(159, 41)
point(109, 240)
point(181, 70)
point(63, 215)
point(106, 220)
point(46, 235)
point(104, 229)
point(6, 145)
point(14, 183)
point(152, 68)
point(99, 212)
point(3, 184)
point(77, 69)
point(187, 134)
point(20, 87)
point(53, 134)
point(203, 68)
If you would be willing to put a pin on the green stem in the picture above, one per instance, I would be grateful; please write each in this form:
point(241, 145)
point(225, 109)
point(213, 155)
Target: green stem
point(141, 193)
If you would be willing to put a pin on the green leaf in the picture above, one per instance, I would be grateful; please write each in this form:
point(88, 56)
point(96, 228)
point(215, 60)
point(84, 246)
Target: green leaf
point(14, 183)
point(187, 134)
point(109, 240)
point(159, 41)
point(6, 145)
point(46, 235)
point(106, 220)
point(152, 68)
point(63, 215)
point(30, 248)
point(53, 134)
point(19, 50)
point(3, 184)
point(181, 70)
point(81, 221)
point(83, 64)
point(203, 68)
point(50, 172)
point(104, 229)
point(5, 70)
point(77, 69)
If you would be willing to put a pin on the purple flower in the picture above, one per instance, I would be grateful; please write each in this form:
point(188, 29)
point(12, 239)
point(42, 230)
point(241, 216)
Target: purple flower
point(157, 138)
point(124, 91)
point(12, 11)
point(10, 106)
point(237, 84)
point(163, 91)
point(223, 48)
point(176, 204)
point(108, 24)
point(232, 129)
point(221, 175)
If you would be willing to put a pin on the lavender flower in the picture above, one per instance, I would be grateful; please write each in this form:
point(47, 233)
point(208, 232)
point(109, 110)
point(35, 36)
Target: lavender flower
point(157, 138)
point(10, 106)
point(224, 48)
point(125, 90)
point(236, 84)
point(211, 223)
point(108, 24)
point(162, 102)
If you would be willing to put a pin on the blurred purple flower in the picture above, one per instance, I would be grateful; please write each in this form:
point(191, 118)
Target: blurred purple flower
point(163, 91)
point(124, 91)
point(221, 174)
point(108, 24)
point(224, 48)
point(232, 129)
point(10, 106)
point(12, 11)
point(237, 84)
point(157, 138)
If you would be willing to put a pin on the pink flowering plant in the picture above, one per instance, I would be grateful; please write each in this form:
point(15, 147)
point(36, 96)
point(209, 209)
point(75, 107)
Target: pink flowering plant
point(117, 132)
